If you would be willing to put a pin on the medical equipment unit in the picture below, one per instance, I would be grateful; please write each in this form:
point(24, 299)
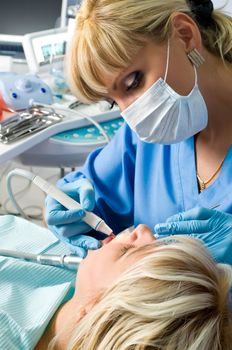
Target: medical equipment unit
point(19, 91)
point(70, 148)
point(44, 48)
point(90, 218)
point(70, 262)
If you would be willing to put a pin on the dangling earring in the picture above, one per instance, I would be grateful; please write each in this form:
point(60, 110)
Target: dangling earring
point(196, 58)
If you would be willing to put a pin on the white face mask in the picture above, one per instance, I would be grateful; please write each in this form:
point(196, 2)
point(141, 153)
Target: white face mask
point(163, 116)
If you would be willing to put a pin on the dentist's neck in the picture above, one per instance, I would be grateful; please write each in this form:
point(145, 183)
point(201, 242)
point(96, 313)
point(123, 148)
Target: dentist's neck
point(215, 82)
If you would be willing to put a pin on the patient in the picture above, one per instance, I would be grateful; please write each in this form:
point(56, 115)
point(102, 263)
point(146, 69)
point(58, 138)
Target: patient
point(139, 293)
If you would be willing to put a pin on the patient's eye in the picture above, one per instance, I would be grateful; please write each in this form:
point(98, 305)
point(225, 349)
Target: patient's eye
point(125, 249)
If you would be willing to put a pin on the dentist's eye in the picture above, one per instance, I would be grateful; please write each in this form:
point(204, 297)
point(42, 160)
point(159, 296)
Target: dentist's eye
point(133, 80)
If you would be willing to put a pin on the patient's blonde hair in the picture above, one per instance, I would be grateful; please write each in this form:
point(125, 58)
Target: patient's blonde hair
point(109, 33)
point(174, 298)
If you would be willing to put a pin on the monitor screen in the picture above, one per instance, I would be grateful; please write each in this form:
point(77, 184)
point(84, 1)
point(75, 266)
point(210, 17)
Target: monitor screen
point(27, 16)
point(50, 47)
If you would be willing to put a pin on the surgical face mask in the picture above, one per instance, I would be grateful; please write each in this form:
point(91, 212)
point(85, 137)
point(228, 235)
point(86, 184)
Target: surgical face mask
point(163, 116)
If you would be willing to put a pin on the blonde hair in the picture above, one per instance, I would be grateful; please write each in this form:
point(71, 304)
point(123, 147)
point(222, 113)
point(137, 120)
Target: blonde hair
point(109, 33)
point(174, 298)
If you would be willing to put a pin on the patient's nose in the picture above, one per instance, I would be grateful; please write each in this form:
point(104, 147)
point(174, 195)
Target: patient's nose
point(141, 235)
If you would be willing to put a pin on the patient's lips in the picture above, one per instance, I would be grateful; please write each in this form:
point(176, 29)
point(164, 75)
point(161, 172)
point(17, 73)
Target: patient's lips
point(108, 239)
point(120, 237)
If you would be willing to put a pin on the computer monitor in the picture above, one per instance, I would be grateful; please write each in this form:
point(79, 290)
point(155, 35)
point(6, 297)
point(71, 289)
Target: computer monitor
point(22, 17)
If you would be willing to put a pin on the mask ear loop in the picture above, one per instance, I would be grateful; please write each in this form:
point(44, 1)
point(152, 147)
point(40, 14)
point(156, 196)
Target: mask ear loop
point(167, 66)
point(196, 76)
point(167, 61)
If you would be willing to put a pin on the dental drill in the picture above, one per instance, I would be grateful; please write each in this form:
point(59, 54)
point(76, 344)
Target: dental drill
point(90, 218)
point(70, 262)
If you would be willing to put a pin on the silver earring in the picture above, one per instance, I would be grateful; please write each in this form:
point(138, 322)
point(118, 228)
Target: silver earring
point(196, 58)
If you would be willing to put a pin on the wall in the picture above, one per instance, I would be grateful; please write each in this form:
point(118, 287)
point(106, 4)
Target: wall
point(228, 7)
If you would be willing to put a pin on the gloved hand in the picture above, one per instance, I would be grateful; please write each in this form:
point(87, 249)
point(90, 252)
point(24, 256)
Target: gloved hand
point(67, 225)
point(213, 227)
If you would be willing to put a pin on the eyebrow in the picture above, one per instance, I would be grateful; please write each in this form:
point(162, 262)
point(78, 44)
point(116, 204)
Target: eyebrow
point(141, 249)
point(134, 250)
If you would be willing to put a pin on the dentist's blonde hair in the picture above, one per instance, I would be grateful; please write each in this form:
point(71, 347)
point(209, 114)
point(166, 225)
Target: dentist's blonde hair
point(109, 33)
point(174, 298)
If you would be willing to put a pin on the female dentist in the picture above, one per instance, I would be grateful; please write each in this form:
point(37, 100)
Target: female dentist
point(168, 66)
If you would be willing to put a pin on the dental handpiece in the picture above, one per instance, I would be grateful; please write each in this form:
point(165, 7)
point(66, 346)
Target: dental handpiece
point(70, 262)
point(90, 218)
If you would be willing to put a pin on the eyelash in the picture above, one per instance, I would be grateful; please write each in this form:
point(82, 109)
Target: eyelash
point(125, 249)
point(113, 103)
point(136, 82)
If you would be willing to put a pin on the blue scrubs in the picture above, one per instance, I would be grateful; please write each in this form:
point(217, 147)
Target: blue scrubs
point(137, 182)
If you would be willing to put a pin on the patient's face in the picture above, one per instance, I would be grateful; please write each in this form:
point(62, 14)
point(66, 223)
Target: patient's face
point(101, 267)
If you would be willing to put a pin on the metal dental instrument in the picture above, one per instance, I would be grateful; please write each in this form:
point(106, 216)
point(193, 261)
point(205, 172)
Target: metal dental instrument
point(34, 119)
point(70, 262)
point(90, 218)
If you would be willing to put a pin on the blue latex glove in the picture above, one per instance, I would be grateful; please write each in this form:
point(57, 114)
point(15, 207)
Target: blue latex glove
point(67, 225)
point(212, 227)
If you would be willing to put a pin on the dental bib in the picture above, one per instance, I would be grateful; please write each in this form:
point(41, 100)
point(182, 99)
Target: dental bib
point(30, 293)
